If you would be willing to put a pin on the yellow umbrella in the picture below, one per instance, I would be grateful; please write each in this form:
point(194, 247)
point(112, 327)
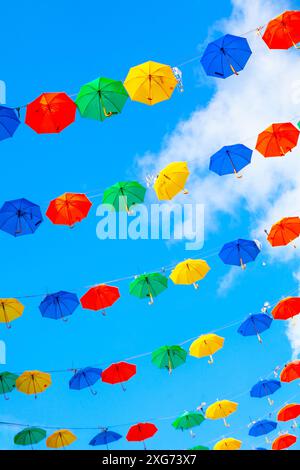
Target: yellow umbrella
point(150, 82)
point(171, 181)
point(206, 345)
point(190, 271)
point(10, 309)
point(220, 410)
point(60, 438)
point(33, 382)
point(228, 444)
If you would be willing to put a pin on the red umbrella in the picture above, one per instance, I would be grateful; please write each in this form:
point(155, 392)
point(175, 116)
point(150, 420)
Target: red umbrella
point(290, 372)
point(289, 412)
point(283, 31)
point(100, 297)
point(50, 113)
point(287, 308)
point(68, 209)
point(118, 373)
point(277, 140)
point(283, 442)
point(141, 432)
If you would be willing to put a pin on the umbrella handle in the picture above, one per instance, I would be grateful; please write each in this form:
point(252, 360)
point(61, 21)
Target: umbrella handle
point(103, 312)
point(210, 360)
point(6, 397)
point(259, 338)
point(237, 175)
point(271, 402)
point(8, 325)
point(233, 69)
point(196, 286)
point(185, 191)
point(225, 423)
point(243, 266)
point(93, 392)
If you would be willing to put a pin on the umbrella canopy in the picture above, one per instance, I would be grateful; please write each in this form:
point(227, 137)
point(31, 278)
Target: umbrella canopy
point(189, 272)
point(255, 324)
point(104, 438)
point(169, 357)
point(284, 442)
point(263, 388)
point(260, 428)
point(290, 372)
point(239, 252)
point(85, 378)
point(59, 305)
point(101, 98)
point(140, 432)
point(33, 382)
point(10, 309)
point(20, 217)
point(171, 180)
point(284, 232)
point(148, 286)
point(287, 308)
point(277, 140)
point(68, 209)
point(289, 412)
point(220, 410)
point(206, 345)
point(230, 159)
point(118, 373)
point(9, 122)
point(283, 31)
point(100, 297)
point(60, 438)
point(50, 113)
point(188, 420)
point(228, 444)
point(150, 82)
point(7, 383)
point(226, 56)
point(199, 448)
point(30, 436)
point(122, 196)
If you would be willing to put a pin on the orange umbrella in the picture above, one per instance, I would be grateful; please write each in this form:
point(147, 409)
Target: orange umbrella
point(287, 308)
point(277, 140)
point(284, 231)
point(283, 442)
point(289, 412)
point(290, 372)
point(283, 31)
point(100, 297)
point(68, 209)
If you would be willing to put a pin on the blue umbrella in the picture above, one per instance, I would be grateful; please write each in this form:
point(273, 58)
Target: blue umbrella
point(239, 252)
point(9, 122)
point(263, 388)
point(59, 305)
point(255, 324)
point(104, 438)
point(20, 217)
point(230, 159)
point(260, 428)
point(85, 378)
point(226, 56)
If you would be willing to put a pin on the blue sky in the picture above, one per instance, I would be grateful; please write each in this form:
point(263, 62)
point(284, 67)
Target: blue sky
point(59, 47)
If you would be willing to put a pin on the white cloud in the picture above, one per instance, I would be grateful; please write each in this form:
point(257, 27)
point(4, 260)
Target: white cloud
point(293, 327)
point(228, 280)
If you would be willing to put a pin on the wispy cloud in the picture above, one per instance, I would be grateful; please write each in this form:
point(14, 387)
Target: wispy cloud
point(293, 327)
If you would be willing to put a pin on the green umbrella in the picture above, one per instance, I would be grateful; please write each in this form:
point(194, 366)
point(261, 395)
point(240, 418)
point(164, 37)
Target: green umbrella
point(124, 195)
point(101, 98)
point(188, 420)
point(29, 436)
point(199, 448)
point(7, 383)
point(148, 285)
point(169, 357)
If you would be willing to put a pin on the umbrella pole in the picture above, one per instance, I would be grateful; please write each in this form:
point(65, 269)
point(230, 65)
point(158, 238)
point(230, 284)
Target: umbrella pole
point(151, 302)
point(145, 448)
point(211, 359)
point(7, 323)
point(289, 35)
point(123, 387)
point(233, 69)
point(243, 266)
point(259, 338)
point(196, 286)
point(271, 402)
point(225, 423)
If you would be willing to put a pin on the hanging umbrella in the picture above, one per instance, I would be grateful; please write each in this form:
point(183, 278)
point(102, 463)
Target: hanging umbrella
point(85, 378)
point(50, 113)
point(290, 372)
point(220, 410)
point(59, 305)
point(118, 373)
point(148, 286)
point(140, 432)
point(104, 438)
point(226, 56)
point(262, 427)
point(289, 412)
point(101, 98)
point(230, 159)
point(61, 438)
point(7, 383)
point(169, 357)
point(199, 448)
point(189, 272)
point(100, 297)
point(150, 82)
point(239, 252)
point(9, 122)
point(254, 325)
point(287, 308)
point(10, 309)
point(283, 31)
point(206, 345)
point(68, 209)
point(20, 217)
point(33, 382)
point(228, 444)
point(263, 388)
point(171, 181)
point(284, 232)
point(283, 442)
point(188, 420)
point(277, 140)
point(122, 196)
point(30, 436)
